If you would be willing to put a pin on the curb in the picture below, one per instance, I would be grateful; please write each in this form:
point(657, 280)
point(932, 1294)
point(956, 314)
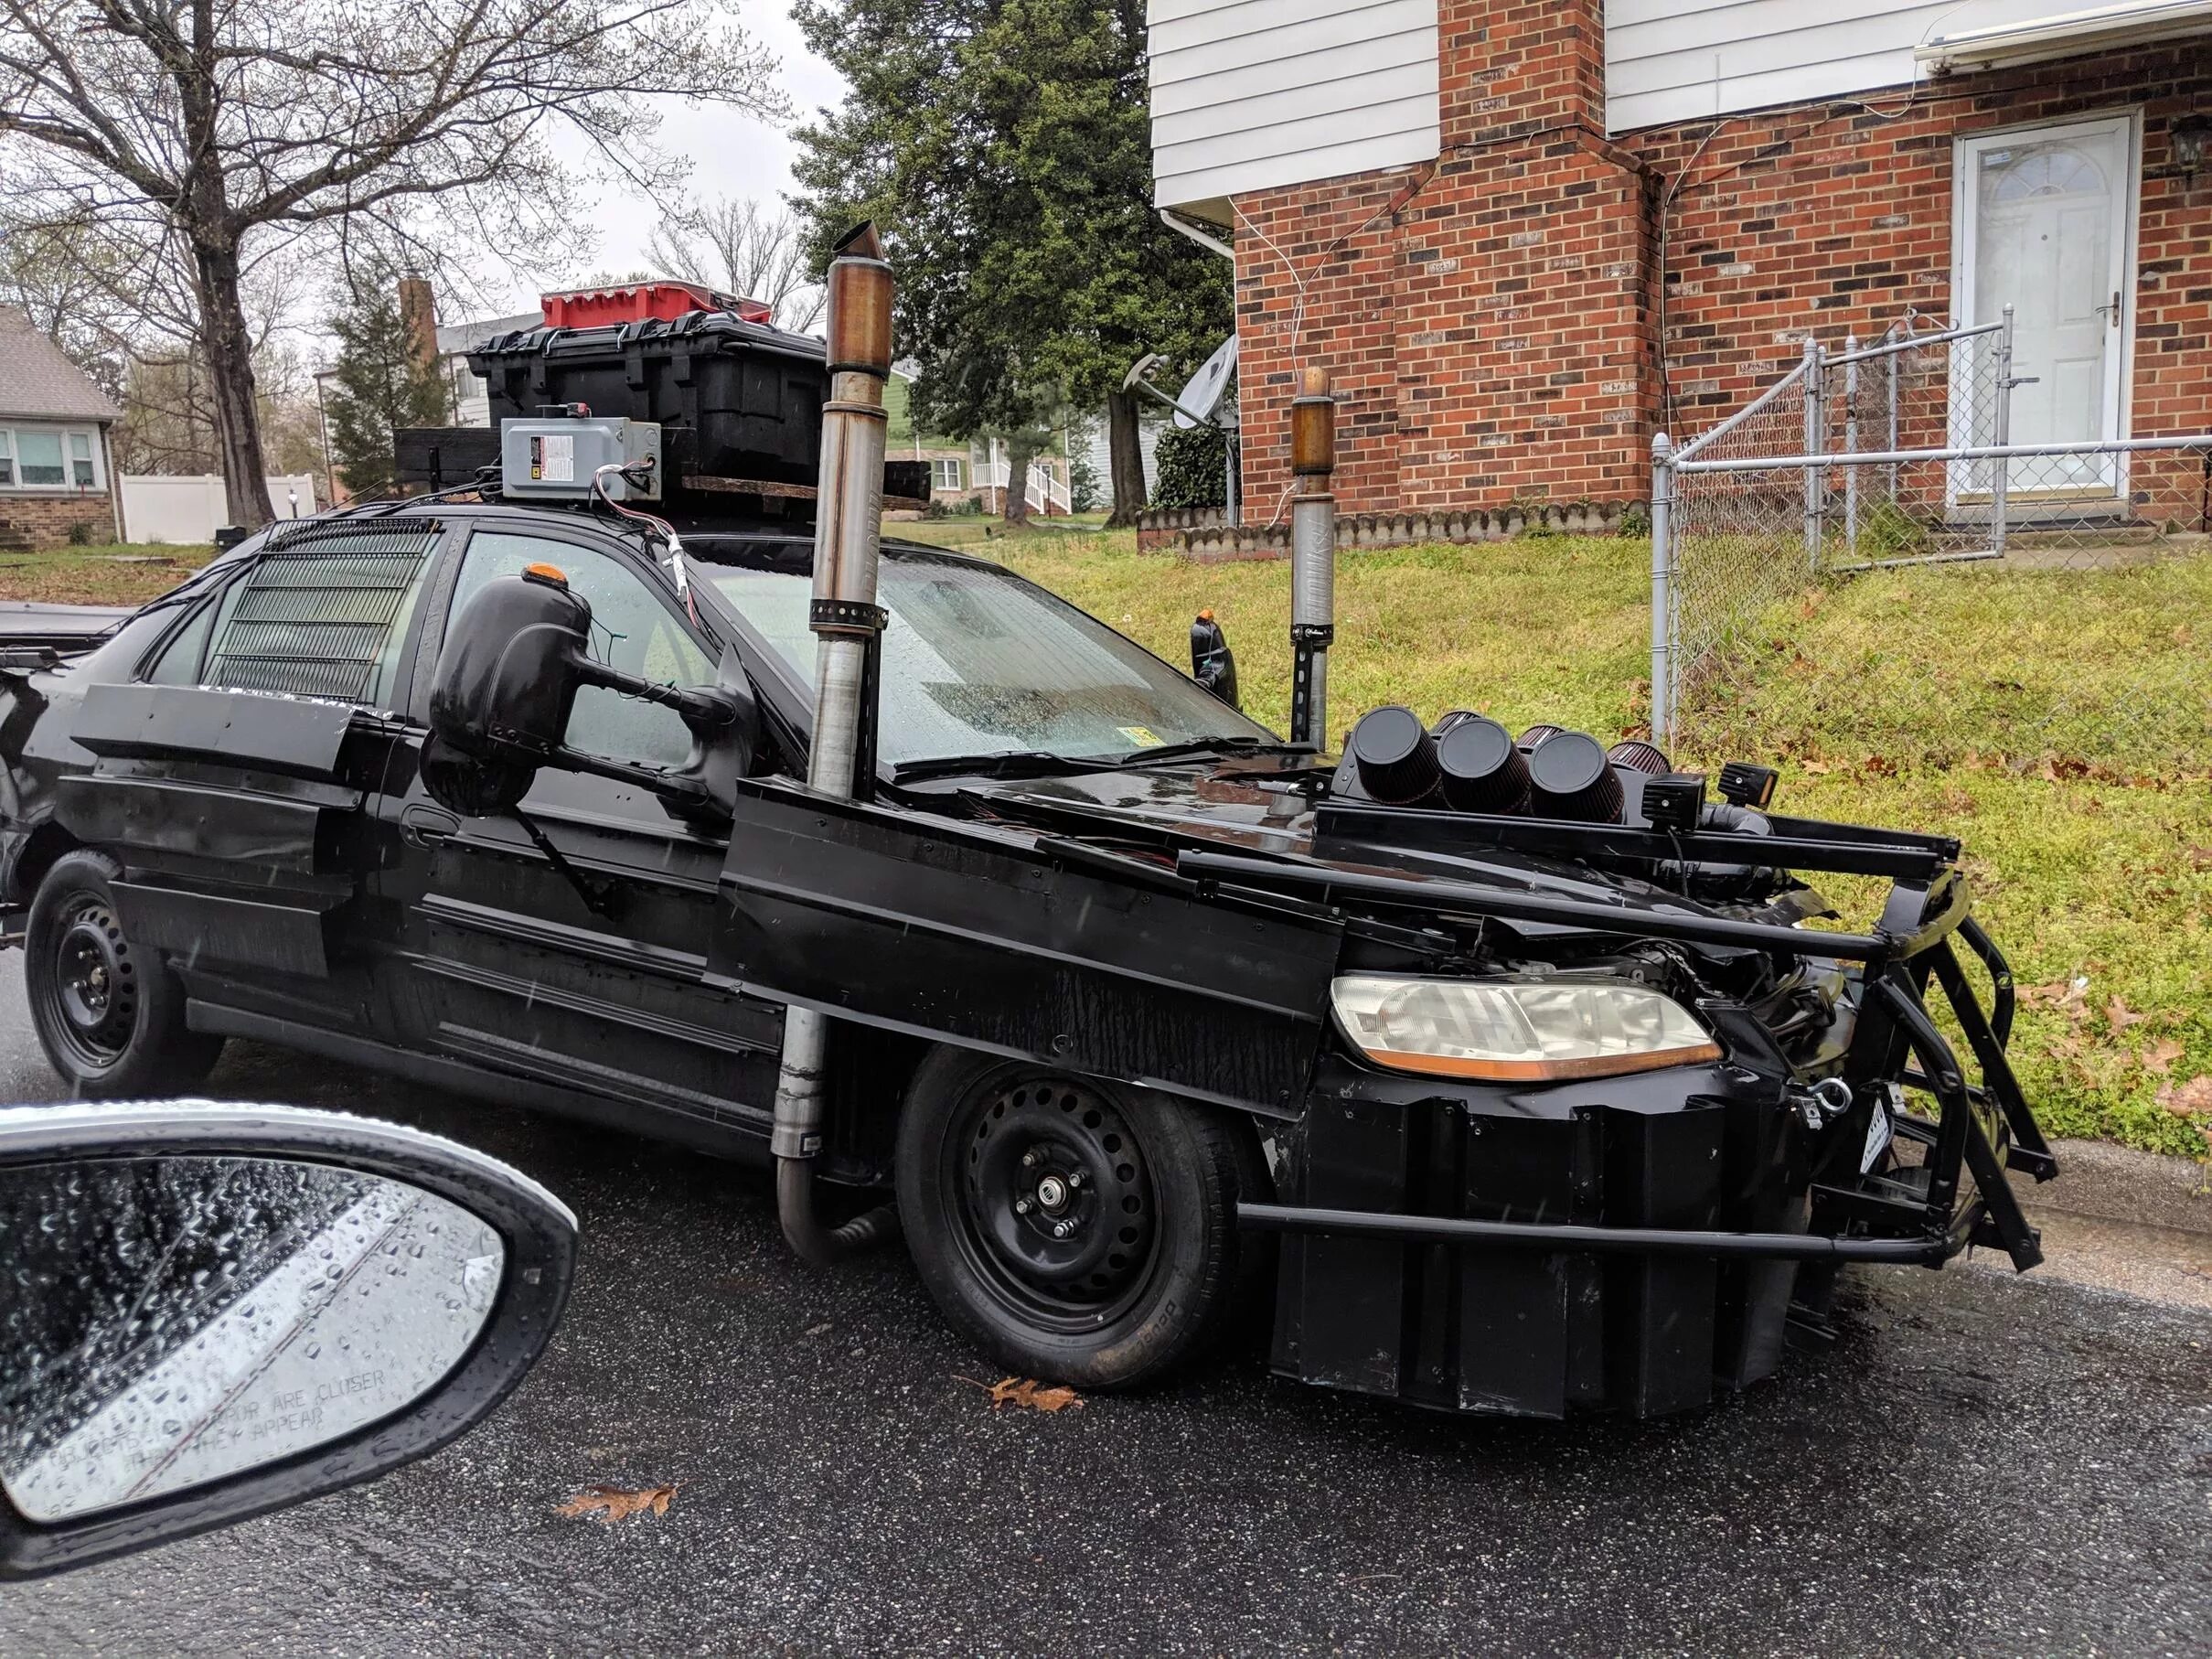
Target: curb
point(2119, 1183)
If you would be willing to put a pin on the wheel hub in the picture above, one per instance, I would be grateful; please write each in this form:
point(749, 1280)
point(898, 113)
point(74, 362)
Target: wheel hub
point(1058, 1199)
point(95, 983)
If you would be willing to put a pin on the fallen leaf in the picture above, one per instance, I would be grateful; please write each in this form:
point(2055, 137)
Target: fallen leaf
point(2159, 1058)
point(2069, 997)
point(1819, 768)
point(2200, 858)
point(1026, 1391)
point(2119, 1016)
point(613, 1504)
point(2188, 1099)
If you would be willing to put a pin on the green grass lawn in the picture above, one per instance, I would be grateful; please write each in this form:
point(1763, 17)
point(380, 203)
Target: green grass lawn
point(2103, 666)
point(97, 575)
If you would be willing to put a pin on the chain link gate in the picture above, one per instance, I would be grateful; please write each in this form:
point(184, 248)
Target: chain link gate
point(1834, 568)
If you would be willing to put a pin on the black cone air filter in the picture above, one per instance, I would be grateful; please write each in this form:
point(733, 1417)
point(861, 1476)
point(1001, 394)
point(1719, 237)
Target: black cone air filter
point(1537, 734)
point(1448, 719)
point(1395, 755)
point(1573, 779)
point(1483, 772)
point(1639, 756)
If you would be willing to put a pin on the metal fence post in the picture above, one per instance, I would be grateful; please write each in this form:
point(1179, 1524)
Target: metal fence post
point(1851, 443)
point(1894, 368)
point(2003, 432)
point(1662, 599)
point(1815, 442)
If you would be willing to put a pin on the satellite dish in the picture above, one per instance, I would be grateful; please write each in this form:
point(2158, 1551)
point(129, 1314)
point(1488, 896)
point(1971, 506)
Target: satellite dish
point(1209, 387)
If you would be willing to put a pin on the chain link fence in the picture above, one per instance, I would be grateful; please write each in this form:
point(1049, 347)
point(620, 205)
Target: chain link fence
point(1869, 560)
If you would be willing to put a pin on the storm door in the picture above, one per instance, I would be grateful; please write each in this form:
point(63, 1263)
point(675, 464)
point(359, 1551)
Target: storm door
point(2043, 225)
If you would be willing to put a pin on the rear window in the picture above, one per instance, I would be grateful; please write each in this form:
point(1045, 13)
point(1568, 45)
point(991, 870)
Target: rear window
point(318, 612)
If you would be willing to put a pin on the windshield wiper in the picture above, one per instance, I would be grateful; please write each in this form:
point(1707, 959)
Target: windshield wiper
point(1005, 763)
point(1196, 746)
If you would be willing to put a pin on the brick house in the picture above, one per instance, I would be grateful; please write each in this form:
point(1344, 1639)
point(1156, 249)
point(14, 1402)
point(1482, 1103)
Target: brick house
point(54, 461)
point(1523, 237)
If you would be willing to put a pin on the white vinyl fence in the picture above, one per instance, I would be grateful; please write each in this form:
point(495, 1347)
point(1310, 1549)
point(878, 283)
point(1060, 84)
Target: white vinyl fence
point(192, 509)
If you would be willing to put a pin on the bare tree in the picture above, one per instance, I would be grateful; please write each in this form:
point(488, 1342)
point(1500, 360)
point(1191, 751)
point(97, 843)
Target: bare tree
point(740, 246)
point(241, 125)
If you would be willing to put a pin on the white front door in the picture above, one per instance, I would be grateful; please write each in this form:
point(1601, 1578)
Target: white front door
point(2043, 227)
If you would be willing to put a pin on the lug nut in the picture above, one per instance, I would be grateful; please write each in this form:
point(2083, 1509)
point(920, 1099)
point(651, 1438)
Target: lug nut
point(1021, 1206)
point(1028, 1159)
point(1060, 1229)
point(1075, 1178)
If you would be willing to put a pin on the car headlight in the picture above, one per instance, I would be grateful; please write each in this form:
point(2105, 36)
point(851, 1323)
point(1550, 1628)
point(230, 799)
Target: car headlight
point(1517, 1030)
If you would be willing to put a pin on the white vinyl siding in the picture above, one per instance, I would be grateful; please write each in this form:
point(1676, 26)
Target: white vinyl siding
point(1675, 61)
point(1252, 94)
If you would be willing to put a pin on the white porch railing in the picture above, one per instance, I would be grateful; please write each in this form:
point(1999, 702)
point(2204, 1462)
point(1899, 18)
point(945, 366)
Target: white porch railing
point(1045, 493)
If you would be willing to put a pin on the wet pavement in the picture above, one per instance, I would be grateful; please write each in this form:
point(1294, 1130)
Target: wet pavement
point(1984, 1464)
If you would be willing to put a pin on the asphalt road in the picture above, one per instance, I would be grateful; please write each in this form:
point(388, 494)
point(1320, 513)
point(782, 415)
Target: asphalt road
point(1984, 1464)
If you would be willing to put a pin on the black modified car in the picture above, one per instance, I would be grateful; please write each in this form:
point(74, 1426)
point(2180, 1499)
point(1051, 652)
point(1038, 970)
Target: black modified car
point(1145, 1015)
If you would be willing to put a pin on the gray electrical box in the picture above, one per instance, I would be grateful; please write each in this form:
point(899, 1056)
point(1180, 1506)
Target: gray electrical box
point(553, 458)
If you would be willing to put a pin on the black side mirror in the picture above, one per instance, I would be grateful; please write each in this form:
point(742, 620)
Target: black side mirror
point(212, 1310)
point(1212, 665)
point(507, 679)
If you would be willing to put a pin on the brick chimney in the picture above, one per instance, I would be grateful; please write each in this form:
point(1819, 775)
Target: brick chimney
point(419, 319)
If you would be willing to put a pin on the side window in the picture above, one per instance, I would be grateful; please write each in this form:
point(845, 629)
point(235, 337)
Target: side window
point(631, 630)
point(325, 617)
point(179, 664)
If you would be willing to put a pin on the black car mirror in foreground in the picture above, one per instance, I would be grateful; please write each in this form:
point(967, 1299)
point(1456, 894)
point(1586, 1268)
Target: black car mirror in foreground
point(211, 1311)
point(506, 681)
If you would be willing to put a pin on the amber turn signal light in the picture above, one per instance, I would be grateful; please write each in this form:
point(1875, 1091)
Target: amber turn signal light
point(552, 575)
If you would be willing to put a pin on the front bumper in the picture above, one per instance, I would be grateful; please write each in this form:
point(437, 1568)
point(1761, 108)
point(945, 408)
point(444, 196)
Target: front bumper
point(1636, 1244)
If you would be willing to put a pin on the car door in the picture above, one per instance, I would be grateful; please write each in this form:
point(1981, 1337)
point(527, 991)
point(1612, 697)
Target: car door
point(234, 769)
point(587, 978)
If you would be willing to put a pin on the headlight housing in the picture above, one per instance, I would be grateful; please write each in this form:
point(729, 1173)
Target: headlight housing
point(1517, 1030)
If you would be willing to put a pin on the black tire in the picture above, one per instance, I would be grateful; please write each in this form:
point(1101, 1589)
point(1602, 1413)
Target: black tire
point(110, 1016)
point(1151, 1266)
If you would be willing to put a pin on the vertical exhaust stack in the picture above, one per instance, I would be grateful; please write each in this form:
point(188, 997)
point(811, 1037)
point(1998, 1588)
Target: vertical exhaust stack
point(1312, 557)
point(847, 624)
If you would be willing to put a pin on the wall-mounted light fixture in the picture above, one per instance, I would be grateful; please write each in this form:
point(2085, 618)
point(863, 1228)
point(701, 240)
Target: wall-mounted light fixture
point(2188, 136)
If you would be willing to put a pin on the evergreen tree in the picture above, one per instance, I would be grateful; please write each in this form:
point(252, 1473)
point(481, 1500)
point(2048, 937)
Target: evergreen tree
point(375, 387)
point(1004, 147)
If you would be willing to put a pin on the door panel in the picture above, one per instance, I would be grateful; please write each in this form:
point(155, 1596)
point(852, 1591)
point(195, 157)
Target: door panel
point(2044, 229)
point(504, 963)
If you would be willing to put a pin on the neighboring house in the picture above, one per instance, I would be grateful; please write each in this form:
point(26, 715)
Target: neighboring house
point(1477, 214)
point(472, 399)
point(54, 461)
point(973, 469)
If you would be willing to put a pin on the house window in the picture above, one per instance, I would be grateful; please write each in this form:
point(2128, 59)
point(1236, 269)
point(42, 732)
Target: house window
point(49, 457)
point(944, 473)
point(38, 456)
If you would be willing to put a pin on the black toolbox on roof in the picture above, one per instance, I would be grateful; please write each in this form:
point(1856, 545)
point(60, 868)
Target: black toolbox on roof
point(734, 399)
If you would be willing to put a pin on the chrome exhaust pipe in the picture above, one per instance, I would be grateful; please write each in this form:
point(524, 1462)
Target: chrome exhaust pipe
point(848, 624)
point(1312, 557)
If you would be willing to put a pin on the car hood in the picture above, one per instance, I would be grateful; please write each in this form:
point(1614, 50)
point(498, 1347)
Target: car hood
point(1266, 806)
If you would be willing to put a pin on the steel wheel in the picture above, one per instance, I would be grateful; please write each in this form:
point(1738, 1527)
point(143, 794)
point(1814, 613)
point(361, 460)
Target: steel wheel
point(111, 1015)
point(92, 993)
point(1057, 1214)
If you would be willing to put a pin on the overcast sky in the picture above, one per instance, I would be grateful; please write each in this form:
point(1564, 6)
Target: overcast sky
point(729, 155)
